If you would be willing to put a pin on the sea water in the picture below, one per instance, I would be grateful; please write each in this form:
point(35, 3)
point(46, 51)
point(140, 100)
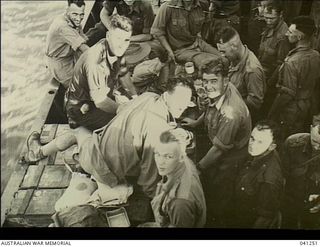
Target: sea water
point(24, 77)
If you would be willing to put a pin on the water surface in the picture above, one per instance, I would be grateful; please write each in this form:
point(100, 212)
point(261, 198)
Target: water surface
point(24, 78)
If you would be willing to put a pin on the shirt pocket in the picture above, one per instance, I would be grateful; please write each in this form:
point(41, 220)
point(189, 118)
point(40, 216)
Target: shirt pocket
point(178, 24)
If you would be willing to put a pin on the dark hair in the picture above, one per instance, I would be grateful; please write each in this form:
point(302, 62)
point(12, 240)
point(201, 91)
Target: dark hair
point(179, 81)
point(221, 65)
point(168, 137)
point(79, 3)
point(304, 24)
point(122, 22)
point(271, 125)
point(276, 5)
point(226, 34)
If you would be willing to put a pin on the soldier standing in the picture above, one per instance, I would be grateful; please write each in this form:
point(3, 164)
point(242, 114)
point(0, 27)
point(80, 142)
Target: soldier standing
point(298, 77)
point(301, 166)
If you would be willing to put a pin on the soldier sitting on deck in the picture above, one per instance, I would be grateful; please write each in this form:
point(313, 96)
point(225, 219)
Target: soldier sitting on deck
point(122, 151)
point(92, 96)
point(177, 27)
point(65, 40)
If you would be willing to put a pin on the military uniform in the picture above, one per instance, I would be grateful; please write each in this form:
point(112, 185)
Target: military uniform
point(228, 124)
point(258, 192)
point(274, 48)
point(301, 166)
point(298, 77)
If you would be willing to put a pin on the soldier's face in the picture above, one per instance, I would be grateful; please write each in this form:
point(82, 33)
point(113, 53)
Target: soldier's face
point(75, 14)
point(178, 100)
point(315, 137)
point(118, 41)
point(213, 85)
point(293, 34)
point(260, 141)
point(129, 2)
point(271, 18)
point(167, 157)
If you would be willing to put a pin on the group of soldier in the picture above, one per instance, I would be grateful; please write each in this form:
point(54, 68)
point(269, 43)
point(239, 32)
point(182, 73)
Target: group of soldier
point(139, 84)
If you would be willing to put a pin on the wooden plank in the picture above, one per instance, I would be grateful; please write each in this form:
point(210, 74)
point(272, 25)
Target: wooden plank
point(20, 202)
point(55, 177)
point(20, 170)
point(48, 133)
point(32, 177)
point(43, 202)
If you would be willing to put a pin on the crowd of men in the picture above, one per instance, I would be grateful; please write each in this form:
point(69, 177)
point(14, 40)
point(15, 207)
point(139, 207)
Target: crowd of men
point(250, 96)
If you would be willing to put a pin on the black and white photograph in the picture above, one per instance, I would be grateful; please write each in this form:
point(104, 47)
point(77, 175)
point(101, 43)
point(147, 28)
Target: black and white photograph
point(153, 115)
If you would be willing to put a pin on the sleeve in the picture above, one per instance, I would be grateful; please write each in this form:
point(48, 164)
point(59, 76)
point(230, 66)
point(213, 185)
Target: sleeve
point(148, 17)
point(97, 83)
point(289, 85)
point(256, 88)
point(283, 50)
point(71, 36)
point(159, 25)
point(227, 131)
point(182, 213)
point(268, 205)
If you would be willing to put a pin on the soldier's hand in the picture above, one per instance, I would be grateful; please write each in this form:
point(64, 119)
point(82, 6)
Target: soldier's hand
point(120, 99)
point(171, 57)
point(189, 122)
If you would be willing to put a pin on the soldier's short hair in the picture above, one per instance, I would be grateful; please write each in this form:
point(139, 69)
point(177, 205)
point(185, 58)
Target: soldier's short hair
point(274, 5)
point(304, 24)
point(226, 34)
point(220, 65)
point(121, 22)
point(179, 81)
point(272, 126)
point(79, 3)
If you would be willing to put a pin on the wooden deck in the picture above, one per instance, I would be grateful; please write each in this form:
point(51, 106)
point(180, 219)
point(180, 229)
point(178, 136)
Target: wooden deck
point(42, 185)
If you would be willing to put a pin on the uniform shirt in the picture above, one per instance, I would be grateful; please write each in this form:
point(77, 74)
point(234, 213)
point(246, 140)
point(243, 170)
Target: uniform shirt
point(258, 191)
point(141, 14)
point(249, 79)
point(302, 177)
point(63, 38)
point(299, 73)
point(127, 142)
point(179, 25)
point(228, 121)
point(274, 47)
point(180, 201)
point(95, 75)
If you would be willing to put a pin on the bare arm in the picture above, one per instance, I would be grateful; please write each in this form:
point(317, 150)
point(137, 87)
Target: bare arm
point(141, 37)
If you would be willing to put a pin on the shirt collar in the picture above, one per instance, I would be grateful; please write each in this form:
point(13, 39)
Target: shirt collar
point(299, 48)
point(174, 178)
point(218, 103)
point(179, 4)
point(106, 57)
